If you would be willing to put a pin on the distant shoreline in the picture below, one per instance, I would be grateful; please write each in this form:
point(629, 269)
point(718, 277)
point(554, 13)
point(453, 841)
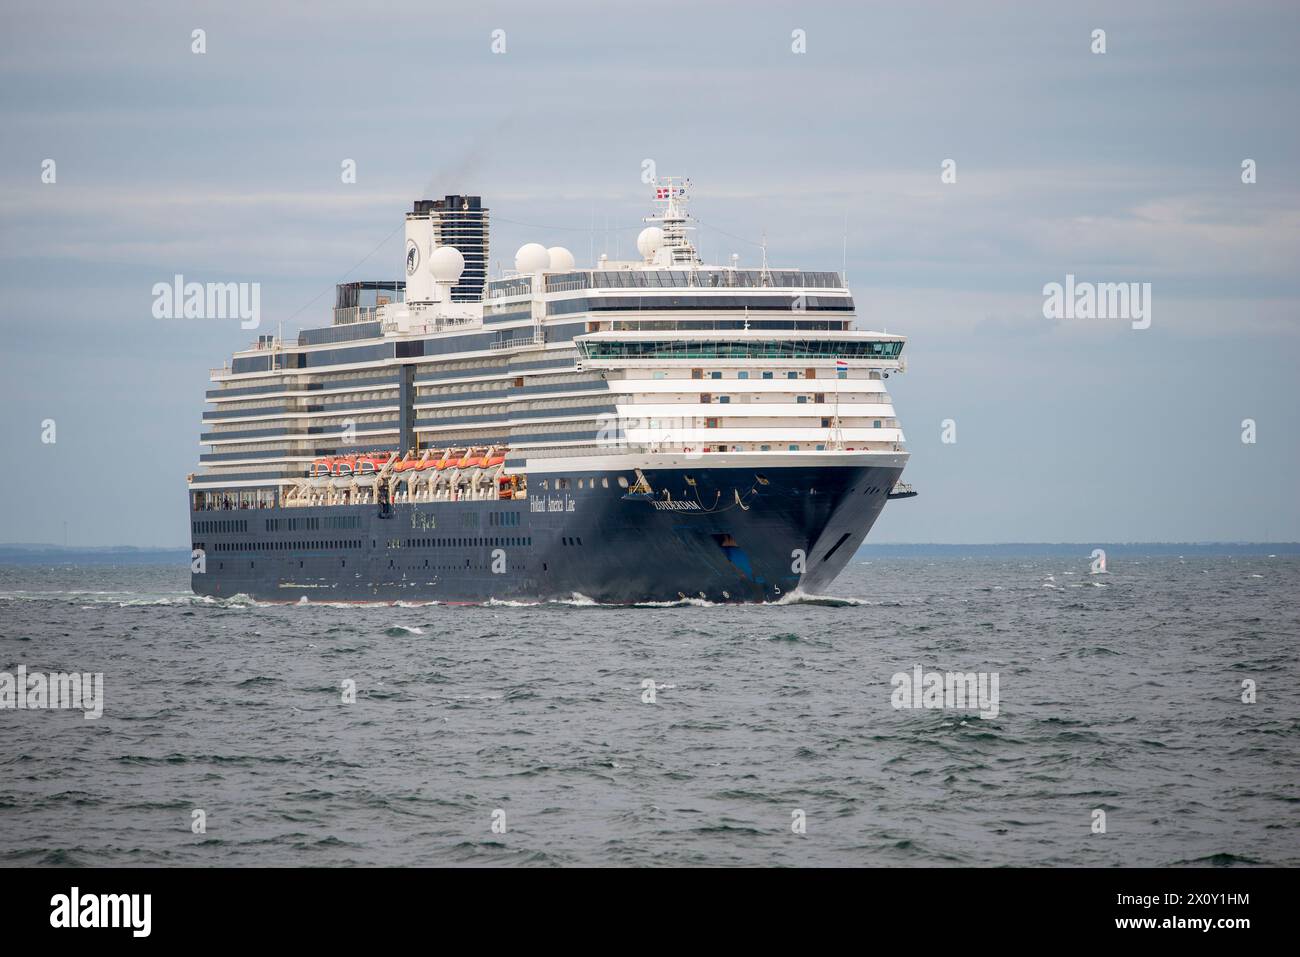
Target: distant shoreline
point(35, 554)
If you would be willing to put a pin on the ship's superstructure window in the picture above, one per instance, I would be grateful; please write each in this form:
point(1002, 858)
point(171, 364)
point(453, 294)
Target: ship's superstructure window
point(689, 348)
point(588, 304)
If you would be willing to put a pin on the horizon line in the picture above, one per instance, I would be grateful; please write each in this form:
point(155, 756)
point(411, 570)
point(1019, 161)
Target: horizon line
point(867, 544)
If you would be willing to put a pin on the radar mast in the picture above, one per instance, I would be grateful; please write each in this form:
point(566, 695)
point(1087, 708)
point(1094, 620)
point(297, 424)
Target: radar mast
point(672, 219)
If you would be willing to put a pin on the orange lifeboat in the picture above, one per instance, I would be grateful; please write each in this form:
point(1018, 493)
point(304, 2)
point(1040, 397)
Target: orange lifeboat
point(489, 461)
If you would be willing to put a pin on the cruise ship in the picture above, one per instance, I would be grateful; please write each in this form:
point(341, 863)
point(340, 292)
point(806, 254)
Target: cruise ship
point(652, 430)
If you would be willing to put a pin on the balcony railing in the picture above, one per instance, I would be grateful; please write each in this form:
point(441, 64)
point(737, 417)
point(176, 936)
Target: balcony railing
point(521, 342)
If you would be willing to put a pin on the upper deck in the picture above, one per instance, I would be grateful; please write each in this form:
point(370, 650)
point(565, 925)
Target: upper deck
point(557, 360)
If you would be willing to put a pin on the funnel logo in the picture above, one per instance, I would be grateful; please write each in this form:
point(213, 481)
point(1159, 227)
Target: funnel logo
point(412, 257)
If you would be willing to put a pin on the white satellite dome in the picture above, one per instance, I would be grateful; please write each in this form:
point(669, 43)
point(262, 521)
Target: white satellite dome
point(649, 240)
point(446, 263)
point(531, 258)
point(561, 259)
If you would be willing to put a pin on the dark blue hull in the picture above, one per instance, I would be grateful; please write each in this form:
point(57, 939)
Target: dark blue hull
point(722, 534)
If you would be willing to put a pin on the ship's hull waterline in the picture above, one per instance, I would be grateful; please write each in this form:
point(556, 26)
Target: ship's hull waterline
point(723, 534)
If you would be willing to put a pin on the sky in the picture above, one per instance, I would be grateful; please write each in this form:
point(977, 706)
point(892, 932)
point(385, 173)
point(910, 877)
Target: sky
point(1122, 166)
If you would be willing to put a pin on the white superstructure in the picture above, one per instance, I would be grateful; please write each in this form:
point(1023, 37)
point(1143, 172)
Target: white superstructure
point(661, 356)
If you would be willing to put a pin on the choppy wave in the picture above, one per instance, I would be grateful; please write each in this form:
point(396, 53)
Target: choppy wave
point(340, 733)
